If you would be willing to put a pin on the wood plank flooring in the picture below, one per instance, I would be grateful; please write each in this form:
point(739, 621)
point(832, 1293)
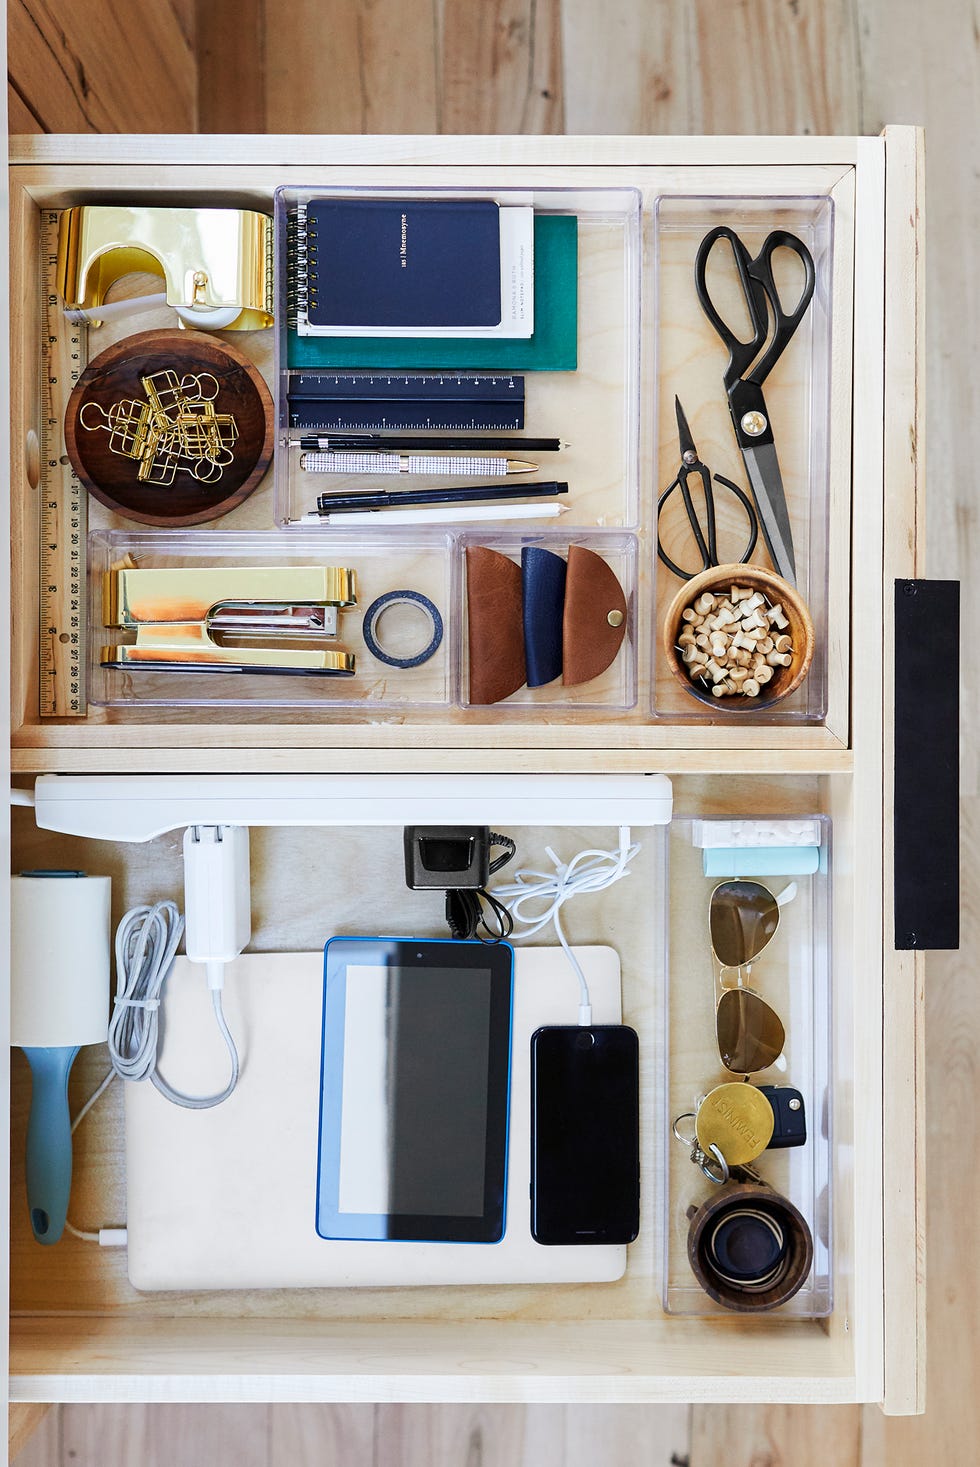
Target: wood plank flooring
point(537, 66)
point(361, 1436)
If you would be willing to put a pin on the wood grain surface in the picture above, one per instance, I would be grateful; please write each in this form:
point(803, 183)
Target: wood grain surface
point(724, 66)
point(361, 1436)
point(37, 1427)
point(116, 377)
point(93, 66)
point(162, 1436)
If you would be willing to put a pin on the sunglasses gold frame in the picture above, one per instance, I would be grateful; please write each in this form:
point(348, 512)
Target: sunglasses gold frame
point(736, 1054)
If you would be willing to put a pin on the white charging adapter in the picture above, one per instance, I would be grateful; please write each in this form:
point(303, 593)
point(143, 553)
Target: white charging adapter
point(217, 896)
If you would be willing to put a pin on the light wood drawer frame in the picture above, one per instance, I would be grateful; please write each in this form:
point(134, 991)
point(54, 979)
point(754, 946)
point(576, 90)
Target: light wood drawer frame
point(872, 1348)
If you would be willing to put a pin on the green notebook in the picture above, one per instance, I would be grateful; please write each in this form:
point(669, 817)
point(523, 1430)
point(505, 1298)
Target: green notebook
point(552, 348)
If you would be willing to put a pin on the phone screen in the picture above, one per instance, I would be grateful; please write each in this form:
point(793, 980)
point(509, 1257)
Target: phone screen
point(585, 1154)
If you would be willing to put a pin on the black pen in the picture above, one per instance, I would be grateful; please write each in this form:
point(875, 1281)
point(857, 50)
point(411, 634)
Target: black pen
point(340, 503)
point(406, 442)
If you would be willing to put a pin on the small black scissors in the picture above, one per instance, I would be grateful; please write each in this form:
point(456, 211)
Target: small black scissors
point(707, 545)
point(750, 417)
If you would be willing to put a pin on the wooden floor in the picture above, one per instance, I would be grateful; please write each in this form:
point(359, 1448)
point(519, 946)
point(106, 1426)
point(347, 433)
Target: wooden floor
point(608, 66)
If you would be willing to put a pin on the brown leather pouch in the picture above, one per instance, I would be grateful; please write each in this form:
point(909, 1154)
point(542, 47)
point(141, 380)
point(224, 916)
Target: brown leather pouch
point(595, 616)
point(495, 625)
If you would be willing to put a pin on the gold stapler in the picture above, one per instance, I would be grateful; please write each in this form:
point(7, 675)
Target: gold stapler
point(229, 619)
point(217, 263)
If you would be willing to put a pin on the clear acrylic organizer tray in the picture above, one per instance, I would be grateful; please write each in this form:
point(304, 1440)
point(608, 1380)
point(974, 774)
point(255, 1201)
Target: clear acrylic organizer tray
point(613, 690)
point(597, 411)
point(381, 564)
point(689, 363)
point(793, 975)
point(594, 410)
point(430, 562)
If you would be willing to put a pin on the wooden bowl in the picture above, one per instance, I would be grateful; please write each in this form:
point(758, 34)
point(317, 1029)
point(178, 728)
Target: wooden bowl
point(756, 1198)
point(115, 375)
point(720, 579)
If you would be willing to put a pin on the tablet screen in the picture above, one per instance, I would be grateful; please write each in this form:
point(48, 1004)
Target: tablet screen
point(414, 1094)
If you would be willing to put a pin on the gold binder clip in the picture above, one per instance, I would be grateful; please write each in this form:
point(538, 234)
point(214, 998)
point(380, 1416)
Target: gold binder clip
point(229, 619)
point(170, 431)
point(217, 263)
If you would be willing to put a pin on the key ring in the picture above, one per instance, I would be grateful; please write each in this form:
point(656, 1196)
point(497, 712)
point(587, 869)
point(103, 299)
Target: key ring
point(702, 1159)
point(687, 1115)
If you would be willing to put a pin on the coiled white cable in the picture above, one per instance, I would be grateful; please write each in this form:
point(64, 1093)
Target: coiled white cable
point(591, 870)
point(147, 939)
point(146, 945)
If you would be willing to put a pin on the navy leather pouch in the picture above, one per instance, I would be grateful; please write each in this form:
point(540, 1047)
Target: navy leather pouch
point(543, 584)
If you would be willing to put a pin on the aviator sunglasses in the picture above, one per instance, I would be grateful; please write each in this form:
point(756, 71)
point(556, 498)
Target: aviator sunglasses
point(742, 920)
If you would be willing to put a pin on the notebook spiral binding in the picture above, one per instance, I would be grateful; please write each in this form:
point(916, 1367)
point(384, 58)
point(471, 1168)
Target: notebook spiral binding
point(297, 261)
point(270, 270)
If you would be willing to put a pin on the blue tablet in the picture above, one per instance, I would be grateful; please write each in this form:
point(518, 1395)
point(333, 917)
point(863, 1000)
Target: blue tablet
point(414, 1090)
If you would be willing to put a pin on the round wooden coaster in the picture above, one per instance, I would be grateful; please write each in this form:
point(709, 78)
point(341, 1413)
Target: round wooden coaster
point(115, 375)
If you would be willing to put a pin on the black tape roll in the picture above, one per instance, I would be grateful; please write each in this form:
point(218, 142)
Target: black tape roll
point(401, 598)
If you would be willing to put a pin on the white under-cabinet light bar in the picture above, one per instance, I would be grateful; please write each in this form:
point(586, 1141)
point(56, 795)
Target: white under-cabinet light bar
point(140, 807)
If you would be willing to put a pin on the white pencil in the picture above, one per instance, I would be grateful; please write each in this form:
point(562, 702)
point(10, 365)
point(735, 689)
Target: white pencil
point(449, 514)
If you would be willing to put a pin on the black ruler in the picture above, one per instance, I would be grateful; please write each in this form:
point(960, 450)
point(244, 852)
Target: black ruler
point(380, 401)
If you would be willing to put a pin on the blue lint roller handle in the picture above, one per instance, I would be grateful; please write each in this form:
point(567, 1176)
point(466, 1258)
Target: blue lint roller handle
point(48, 1170)
point(734, 861)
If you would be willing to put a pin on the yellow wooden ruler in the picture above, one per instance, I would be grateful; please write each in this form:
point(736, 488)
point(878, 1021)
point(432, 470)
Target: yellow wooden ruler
point(62, 503)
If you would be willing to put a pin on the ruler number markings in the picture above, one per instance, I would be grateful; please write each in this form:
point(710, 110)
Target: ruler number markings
point(62, 504)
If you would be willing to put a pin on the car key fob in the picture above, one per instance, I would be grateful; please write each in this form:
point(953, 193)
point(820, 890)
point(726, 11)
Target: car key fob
point(789, 1114)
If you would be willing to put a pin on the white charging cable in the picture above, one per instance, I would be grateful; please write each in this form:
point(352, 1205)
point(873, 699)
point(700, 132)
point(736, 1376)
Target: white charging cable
point(217, 926)
point(105, 1237)
point(146, 945)
point(217, 900)
point(591, 870)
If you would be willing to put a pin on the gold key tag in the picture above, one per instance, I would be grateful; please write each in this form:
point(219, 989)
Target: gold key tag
point(738, 1119)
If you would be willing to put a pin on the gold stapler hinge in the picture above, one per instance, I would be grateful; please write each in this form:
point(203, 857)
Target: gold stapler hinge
point(212, 260)
point(229, 619)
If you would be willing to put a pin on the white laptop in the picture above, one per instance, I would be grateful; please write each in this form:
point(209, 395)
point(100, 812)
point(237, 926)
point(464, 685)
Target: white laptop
point(226, 1198)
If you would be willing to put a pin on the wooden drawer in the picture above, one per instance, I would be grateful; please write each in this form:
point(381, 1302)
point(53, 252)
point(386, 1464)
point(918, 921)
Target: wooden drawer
point(78, 1331)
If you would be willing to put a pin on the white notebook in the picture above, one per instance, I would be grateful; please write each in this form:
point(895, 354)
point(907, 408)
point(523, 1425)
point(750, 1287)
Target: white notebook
point(226, 1198)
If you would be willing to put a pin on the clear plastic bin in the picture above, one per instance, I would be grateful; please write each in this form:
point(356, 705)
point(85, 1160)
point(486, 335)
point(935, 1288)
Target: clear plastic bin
point(431, 563)
point(595, 409)
point(419, 563)
point(793, 975)
point(613, 690)
point(690, 363)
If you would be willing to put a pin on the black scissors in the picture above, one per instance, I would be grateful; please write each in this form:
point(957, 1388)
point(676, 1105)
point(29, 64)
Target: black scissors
point(707, 543)
point(746, 372)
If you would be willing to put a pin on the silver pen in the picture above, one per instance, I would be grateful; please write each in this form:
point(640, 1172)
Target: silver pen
point(413, 463)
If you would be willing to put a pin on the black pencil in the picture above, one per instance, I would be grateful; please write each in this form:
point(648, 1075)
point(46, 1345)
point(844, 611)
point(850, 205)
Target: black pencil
point(340, 503)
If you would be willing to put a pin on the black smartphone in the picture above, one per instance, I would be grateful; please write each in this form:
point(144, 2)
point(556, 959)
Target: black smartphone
point(585, 1134)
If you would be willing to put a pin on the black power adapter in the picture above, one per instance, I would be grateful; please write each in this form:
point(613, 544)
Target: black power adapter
point(456, 859)
point(447, 857)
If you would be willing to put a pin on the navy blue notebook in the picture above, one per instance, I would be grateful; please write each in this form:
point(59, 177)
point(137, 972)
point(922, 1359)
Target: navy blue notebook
point(403, 262)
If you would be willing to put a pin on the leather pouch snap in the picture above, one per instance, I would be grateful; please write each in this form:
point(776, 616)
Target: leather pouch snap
point(594, 622)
